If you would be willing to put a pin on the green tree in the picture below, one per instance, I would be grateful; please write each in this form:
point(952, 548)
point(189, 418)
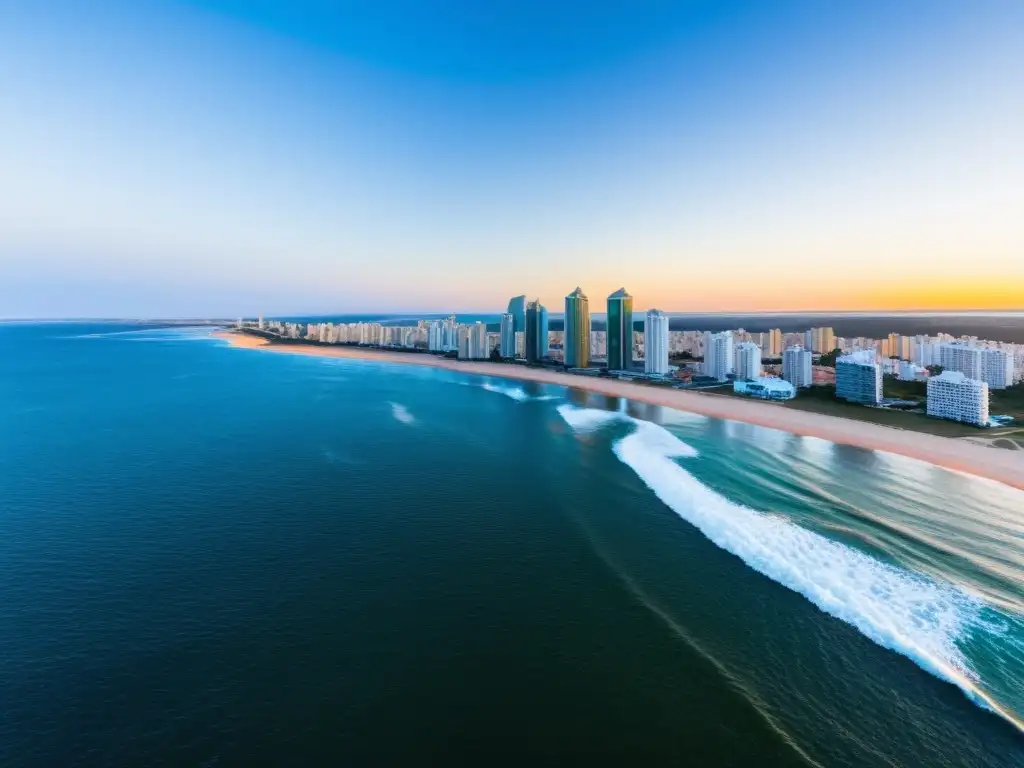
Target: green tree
point(829, 358)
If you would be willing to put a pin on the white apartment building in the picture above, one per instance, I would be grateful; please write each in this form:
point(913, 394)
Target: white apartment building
point(796, 366)
point(951, 395)
point(911, 372)
point(721, 360)
point(473, 341)
point(656, 342)
point(859, 378)
point(927, 353)
point(963, 358)
point(748, 360)
point(997, 368)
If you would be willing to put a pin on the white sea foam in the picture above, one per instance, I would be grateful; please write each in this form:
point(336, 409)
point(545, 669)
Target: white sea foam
point(900, 610)
point(589, 419)
point(401, 413)
point(516, 393)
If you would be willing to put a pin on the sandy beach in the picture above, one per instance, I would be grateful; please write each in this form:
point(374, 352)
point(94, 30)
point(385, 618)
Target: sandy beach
point(957, 454)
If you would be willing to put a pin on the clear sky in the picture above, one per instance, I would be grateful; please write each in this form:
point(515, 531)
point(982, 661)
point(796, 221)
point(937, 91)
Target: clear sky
point(229, 157)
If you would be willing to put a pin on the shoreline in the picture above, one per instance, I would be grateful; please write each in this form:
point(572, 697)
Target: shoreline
point(1002, 466)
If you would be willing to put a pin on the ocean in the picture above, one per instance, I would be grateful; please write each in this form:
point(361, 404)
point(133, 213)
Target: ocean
point(212, 556)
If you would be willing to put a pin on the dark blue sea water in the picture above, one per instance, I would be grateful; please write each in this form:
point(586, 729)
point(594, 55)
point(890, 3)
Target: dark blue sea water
point(215, 557)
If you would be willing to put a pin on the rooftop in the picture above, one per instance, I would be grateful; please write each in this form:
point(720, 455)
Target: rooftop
point(577, 294)
point(619, 294)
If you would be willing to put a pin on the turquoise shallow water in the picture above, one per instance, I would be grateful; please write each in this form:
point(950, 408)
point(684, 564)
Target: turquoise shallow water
point(213, 556)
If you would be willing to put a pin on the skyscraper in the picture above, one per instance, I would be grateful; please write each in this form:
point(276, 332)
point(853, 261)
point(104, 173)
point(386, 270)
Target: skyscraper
point(655, 342)
point(775, 342)
point(517, 308)
point(507, 334)
point(536, 336)
point(748, 360)
point(577, 329)
point(796, 366)
point(720, 362)
point(620, 331)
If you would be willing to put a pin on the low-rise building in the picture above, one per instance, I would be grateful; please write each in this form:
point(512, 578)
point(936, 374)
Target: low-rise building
point(765, 387)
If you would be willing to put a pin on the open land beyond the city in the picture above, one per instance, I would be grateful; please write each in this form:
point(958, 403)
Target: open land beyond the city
point(957, 454)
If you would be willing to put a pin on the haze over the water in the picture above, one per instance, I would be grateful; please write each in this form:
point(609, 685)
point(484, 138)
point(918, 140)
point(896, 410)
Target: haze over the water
point(220, 157)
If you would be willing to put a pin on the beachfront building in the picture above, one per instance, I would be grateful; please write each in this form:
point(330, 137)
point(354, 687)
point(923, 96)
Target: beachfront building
point(577, 330)
point(507, 335)
point(620, 331)
point(479, 346)
point(434, 337)
point(748, 360)
point(796, 366)
point(656, 342)
point(951, 395)
point(962, 358)
point(535, 340)
point(517, 308)
point(997, 368)
point(859, 378)
point(765, 387)
point(472, 342)
point(719, 361)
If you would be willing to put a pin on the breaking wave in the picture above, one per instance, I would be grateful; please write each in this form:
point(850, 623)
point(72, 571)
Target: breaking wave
point(898, 609)
point(401, 413)
point(518, 394)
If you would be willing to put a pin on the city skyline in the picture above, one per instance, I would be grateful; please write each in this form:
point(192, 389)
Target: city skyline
point(181, 159)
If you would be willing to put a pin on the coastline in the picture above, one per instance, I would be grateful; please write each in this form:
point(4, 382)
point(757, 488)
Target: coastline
point(956, 454)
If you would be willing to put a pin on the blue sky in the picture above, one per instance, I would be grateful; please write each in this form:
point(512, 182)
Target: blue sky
point(181, 158)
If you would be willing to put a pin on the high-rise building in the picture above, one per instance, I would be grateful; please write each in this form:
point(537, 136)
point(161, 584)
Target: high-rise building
point(656, 342)
point(620, 331)
point(705, 350)
point(721, 360)
point(774, 346)
point(964, 358)
point(435, 336)
point(859, 378)
point(748, 360)
point(820, 340)
point(577, 329)
point(478, 346)
point(517, 308)
point(507, 334)
point(951, 395)
point(997, 368)
point(796, 366)
point(927, 353)
point(260, 324)
point(535, 340)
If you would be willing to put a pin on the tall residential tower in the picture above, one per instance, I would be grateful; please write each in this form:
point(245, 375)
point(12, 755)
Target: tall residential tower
point(577, 329)
point(536, 335)
point(655, 342)
point(620, 331)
